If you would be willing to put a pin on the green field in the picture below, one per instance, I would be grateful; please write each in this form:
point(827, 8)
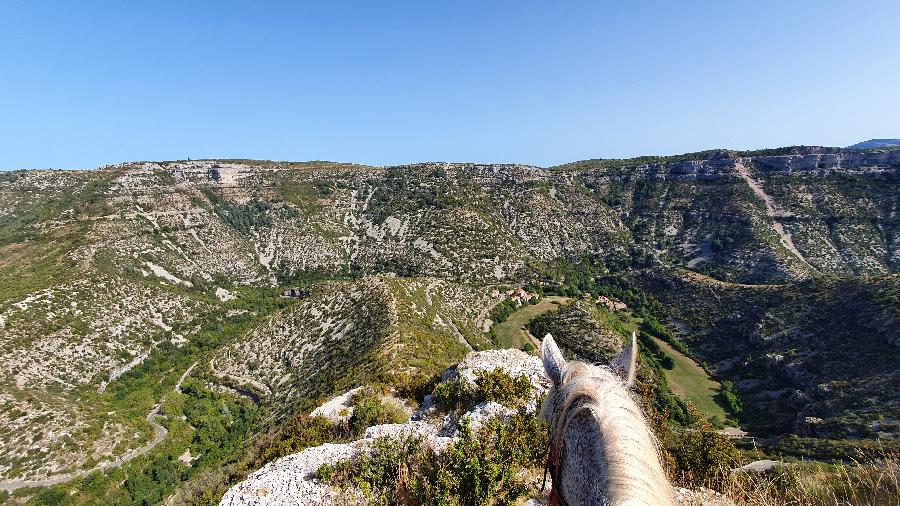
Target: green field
point(512, 333)
point(690, 381)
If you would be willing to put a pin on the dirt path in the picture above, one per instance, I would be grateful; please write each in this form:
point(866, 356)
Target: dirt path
point(534, 341)
point(159, 433)
point(772, 212)
point(183, 376)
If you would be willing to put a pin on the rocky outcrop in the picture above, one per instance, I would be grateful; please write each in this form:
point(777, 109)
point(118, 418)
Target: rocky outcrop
point(293, 479)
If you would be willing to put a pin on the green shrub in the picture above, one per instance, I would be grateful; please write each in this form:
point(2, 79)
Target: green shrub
point(728, 396)
point(369, 409)
point(325, 472)
point(482, 467)
point(51, 497)
point(498, 386)
point(448, 395)
point(649, 345)
point(502, 311)
point(245, 217)
point(667, 362)
point(700, 456)
point(382, 471)
point(495, 385)
point(297, 434)
point(413, 386)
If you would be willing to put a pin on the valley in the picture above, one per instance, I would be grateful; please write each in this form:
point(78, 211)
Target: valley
point(513, 333)
point(145, 339)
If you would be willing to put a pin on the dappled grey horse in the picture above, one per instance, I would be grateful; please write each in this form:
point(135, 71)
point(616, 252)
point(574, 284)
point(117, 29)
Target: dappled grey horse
point(601, 450)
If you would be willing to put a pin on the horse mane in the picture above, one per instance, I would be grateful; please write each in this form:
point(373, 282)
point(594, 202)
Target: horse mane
point(606, 452)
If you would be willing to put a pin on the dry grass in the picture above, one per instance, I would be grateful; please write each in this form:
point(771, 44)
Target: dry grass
point(876, 483)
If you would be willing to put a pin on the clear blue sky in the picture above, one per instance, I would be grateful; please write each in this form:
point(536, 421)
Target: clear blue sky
point(90, 83)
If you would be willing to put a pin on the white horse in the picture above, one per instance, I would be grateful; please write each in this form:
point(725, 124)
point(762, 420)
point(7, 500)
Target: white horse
point(601, 450)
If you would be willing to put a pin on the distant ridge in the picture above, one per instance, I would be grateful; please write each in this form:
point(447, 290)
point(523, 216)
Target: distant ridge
point(875, 143)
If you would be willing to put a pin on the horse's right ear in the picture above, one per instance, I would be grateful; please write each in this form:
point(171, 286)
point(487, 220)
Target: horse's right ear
point(625, 363)
point(554, 362)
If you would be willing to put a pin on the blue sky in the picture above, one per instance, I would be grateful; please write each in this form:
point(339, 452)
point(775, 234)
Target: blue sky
point(89, 83)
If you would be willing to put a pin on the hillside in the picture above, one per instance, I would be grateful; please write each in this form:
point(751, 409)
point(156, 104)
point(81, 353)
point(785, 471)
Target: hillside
point(875, 143)
point(814, 358)
point(779, 269)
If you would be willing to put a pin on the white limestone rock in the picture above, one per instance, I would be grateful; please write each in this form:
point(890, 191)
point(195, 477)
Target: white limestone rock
point(293, 480)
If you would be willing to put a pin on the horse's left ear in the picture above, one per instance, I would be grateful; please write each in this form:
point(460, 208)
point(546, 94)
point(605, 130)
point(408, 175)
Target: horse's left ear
point(625, 363)
point(554, 362)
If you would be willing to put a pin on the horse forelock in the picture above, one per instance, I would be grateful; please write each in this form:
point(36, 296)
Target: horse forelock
point(594, 412)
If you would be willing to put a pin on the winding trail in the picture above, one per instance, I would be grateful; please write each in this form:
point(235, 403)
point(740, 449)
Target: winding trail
point(159, 434)
point(183, 376)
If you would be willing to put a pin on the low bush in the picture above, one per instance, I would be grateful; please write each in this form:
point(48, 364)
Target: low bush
point(729, 398)
point(482, 467)
point(701, 456)
point(413, 386)
point(297, 434)
point(495, 385)
point(653, 327)
point(647, 343)
point(502, 311)
point(370, 409)
point(693, 456)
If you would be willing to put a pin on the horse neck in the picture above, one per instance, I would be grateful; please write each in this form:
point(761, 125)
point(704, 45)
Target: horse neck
point(607, 453)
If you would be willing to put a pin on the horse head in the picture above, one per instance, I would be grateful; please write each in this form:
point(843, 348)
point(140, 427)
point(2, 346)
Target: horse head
point(601, 450)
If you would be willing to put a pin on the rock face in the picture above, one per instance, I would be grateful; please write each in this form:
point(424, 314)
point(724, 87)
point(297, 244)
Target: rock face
point(292, 479)
point(339, 408)
point(514, 362)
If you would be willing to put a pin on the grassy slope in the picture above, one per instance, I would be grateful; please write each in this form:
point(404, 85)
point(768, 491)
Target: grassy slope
point(687, 379)
point(690, 381)
point(512, 332)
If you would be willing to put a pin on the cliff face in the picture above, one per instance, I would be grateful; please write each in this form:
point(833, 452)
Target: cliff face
point(864, 162)
point(766, 218)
